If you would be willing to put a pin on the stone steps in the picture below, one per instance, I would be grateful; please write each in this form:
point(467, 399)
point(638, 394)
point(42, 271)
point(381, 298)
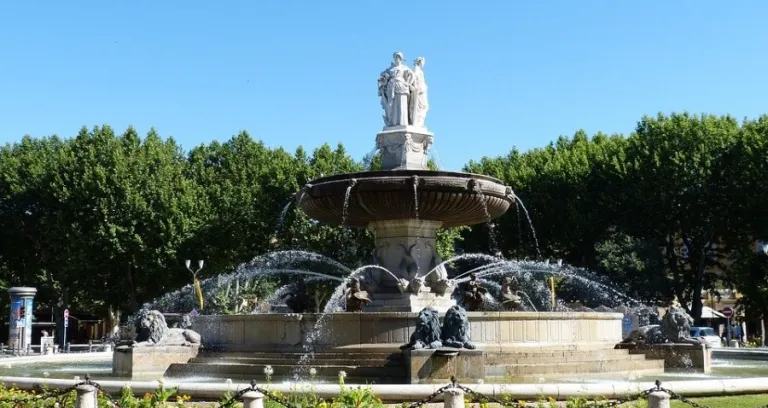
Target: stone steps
point(296, 356)
point(256, 371)
point(576, 367)
point(534, 358)
point(544, 360)
point(389, 367)
point(361, 361)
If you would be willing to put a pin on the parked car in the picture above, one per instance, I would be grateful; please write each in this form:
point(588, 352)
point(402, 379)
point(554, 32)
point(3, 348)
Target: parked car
point(708, 334)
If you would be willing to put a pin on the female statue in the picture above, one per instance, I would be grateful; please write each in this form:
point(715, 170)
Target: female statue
point(418, 102)
point(394, 89)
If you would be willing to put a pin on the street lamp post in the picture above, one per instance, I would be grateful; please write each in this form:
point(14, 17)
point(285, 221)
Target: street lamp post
point(195, 281)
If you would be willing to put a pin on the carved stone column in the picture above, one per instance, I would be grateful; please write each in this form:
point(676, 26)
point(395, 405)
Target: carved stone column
point(407, 248)
point(404, 147)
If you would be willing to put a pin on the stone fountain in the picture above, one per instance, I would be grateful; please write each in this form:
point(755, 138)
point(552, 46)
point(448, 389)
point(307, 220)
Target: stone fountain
point(405, 204)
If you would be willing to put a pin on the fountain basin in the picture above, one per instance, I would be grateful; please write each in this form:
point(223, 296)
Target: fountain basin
point(490, 331)
point(450, 198)
point(367, 347)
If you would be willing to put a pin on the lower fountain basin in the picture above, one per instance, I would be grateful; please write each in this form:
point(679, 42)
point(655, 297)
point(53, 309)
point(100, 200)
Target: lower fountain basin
point(451, 198)
point(366, 346)
point(387, 331)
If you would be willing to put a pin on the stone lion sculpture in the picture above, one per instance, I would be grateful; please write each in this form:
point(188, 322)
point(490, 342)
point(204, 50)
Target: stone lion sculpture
point(650, 334)
point(675, 328)
point(152, 330)
point(427, 333)
point(676, 325)
point(455, 331)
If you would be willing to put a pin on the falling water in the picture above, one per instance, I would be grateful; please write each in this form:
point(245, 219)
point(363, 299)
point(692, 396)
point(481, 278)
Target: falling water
point(462, 257)
point(530, 224)
point(369, 157)
point(283, 213)
point(291, 257)
point(336, 302)
point(416, 196)
point(519, 223)
point(438, 160)
point(531, 278)
point(345, 206)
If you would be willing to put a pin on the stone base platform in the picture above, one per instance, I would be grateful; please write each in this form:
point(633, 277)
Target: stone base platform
point(150, 362)
point(438, 366)
point(676, 357)
point(367, 347)
point(419, 366)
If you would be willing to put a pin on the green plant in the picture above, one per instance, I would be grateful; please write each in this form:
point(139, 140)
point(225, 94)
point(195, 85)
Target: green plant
point(357, 397)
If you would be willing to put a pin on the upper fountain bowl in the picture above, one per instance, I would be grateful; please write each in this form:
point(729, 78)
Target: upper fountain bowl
point(449, 197)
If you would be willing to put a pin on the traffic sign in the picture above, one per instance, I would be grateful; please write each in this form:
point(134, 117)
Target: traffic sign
point(66, 318)
point(727, 312)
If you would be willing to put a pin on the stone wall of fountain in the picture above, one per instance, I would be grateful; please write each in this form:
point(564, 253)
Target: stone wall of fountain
point(491, 331)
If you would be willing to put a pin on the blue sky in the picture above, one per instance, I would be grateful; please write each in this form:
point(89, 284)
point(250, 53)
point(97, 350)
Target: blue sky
point(501, 73)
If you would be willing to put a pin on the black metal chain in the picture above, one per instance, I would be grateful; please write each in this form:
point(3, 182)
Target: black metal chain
point(596, 404)
point(270, 395)
point(434, 395)
point(673, 395)
point(99, 390)
point(60, 394)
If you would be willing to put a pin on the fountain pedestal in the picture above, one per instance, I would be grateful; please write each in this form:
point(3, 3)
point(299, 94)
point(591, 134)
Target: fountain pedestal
point(404, 147)
point(408, 249)
point(408, 302)
point(427, 366)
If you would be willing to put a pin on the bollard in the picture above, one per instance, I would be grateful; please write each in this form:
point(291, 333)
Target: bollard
point(253, 399)
point(453, 398)
point(86, 396)
point(658, 399)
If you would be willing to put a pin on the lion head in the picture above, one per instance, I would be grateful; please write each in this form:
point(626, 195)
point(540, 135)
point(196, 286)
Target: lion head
point(456, 328)
point(150, 326)
point(676, 324)
point(428, 325)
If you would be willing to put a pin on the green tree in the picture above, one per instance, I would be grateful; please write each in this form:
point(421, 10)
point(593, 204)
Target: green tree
point(675, 196)
point(35, 241)
point(750, 276)
point(128, 201)
point(634, 266)
point(566, 188)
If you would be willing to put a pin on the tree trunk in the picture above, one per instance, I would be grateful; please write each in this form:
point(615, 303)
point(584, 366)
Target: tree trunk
point(763, 326)
point(677, 287)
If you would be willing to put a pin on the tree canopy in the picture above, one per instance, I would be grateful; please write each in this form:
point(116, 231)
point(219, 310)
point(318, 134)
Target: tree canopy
point(105, 220)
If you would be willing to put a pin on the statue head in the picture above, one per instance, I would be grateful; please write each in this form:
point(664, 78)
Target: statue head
point(150, 326)
point(419, 62)
point(354, 283)
point(397, 58)
point(455, 325)
point(428, 324)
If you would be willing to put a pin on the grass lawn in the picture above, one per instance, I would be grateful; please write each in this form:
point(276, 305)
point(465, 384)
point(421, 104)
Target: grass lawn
point(738, 401)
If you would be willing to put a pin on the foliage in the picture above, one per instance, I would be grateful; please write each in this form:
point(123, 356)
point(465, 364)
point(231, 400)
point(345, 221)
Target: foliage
point(634, 266)
point(658, 213)
point(105, 220)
